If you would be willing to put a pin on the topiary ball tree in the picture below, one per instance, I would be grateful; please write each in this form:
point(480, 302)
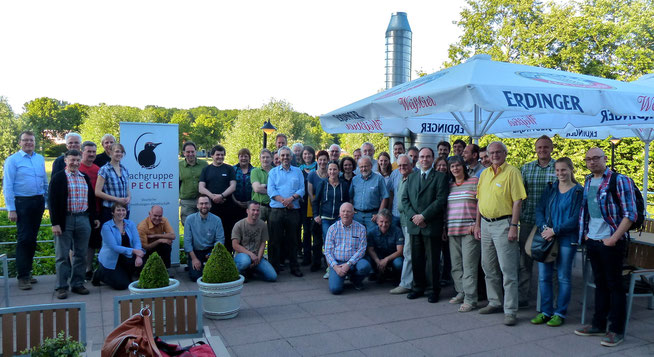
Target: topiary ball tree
point(154, 274)
point(220, 267)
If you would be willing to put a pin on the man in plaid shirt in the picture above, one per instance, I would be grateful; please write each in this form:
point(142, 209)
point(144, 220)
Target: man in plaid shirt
point(535, 175)
point(604, 226)
point(72, 211)
point(345, 245)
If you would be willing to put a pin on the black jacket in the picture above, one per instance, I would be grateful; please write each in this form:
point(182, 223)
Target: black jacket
point(58, 199)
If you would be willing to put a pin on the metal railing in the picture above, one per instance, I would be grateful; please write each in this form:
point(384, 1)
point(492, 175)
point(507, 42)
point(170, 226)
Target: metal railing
point(51, 241)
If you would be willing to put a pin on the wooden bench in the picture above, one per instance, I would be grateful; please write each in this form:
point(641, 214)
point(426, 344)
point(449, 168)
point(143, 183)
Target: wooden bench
point(176, 317)
point(24, 327)
point(177, 314)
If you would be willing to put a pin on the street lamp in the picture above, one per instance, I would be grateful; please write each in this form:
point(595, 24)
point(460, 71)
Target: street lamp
point(614, 142)
point(267, 129)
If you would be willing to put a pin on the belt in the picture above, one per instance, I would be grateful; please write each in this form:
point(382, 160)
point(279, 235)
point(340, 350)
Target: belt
point(76, 213)
point(366, 211)
point(496, 219)
point(27, 197)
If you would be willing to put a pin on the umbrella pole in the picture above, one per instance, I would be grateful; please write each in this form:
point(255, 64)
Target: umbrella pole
point(646, 173)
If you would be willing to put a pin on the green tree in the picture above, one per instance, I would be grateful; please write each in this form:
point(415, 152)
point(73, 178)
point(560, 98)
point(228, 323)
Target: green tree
point(247, 133)
point(11, 127)
point(184, 120)
point(611, 39)
point(103, 119)
point(351, 142)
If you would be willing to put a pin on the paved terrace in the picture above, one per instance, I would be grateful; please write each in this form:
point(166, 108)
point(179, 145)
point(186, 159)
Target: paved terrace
point(299, 317)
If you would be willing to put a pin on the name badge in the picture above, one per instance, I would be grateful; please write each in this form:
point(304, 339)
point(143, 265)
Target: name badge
point(224, 174)
point(498, 184)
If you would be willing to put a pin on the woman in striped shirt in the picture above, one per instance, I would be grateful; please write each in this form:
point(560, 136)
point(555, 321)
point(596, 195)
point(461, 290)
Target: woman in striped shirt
point(464, 248)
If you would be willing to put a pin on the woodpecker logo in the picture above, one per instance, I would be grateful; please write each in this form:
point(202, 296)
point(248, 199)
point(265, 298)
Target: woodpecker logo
point(146, 157)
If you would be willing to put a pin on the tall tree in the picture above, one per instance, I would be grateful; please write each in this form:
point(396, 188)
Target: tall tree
point(11, 127)
point(611, 39)
point(103, 119)
point(247, 133)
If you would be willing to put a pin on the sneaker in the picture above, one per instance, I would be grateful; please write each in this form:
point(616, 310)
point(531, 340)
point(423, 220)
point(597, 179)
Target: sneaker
point(612, 339)
point(555, 321)
point(24, 284)
point(510, 319)
point(590, 330)
point(490, 309)
point(62, 293)
point(33, 280)
point(81, 290)
point(458, 299)
point(399, 290)
point(541, 319)
point(326, 276)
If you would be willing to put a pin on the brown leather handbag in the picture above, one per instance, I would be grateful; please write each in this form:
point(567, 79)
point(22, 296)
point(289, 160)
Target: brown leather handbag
point(132, 338)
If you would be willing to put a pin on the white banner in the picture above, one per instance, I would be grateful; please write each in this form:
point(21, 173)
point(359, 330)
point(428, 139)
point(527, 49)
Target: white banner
point(151, 157)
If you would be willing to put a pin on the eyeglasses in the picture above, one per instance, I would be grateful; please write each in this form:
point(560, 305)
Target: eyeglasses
point(594, 158)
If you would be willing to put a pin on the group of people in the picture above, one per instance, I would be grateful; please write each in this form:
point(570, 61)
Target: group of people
point(418, 220)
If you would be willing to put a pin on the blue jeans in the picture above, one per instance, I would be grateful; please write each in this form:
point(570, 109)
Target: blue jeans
point(357, 273)
point(564, 272)
point(365, 218)
point(326, 223)
point(264, 268)
point(395, 265)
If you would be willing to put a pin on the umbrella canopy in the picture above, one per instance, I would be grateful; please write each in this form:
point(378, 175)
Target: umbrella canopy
point(482, 97)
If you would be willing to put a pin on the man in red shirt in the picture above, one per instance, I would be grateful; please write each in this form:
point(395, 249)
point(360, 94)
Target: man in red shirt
point(90, 169)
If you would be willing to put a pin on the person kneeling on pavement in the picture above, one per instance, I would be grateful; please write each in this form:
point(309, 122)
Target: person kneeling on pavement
point(385, 248)
point(345, 245)
point(249, 238)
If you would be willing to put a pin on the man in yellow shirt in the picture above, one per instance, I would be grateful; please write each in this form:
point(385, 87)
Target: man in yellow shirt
point(500, 193)
point(156, 235)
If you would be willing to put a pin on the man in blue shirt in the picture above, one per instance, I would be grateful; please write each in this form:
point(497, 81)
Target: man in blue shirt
point(25, 185)
point(203, 230)
point(369, 194)
point(285, 188)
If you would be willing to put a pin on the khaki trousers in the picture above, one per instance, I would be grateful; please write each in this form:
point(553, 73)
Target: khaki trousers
point(465, 252)
point(500, 259)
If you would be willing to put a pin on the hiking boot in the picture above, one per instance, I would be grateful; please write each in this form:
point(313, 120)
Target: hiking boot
point(590, 330)
point(81, 290)
point(510, 319)
point(24, 284)
point(555, 321)
point(540, 319)
point(62, 293)
point(612, 339)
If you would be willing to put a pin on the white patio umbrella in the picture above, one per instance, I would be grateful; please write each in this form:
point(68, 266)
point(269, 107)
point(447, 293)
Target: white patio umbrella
point(482, 97)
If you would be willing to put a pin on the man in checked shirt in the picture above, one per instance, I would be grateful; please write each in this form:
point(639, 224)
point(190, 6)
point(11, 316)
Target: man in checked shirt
point(345, 245)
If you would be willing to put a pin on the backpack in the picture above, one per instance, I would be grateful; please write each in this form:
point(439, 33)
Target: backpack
point(640, 203)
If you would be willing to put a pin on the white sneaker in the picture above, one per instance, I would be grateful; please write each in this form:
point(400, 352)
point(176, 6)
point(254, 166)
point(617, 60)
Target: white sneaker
point(326, 276)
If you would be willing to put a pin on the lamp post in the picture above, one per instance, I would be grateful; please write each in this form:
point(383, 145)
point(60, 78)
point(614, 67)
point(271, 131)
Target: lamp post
point(614, 142)
point(267, 129)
